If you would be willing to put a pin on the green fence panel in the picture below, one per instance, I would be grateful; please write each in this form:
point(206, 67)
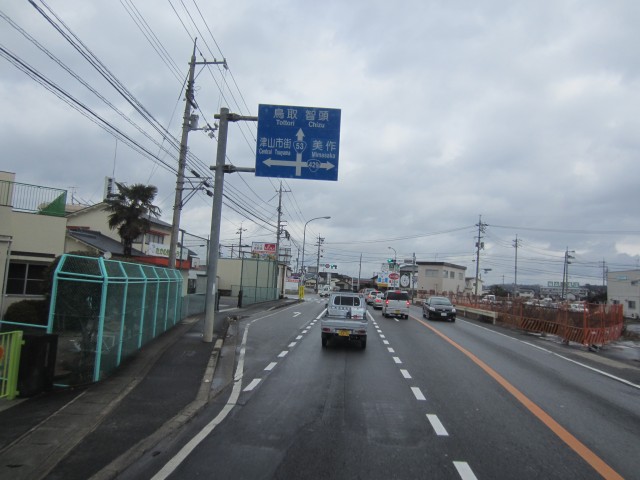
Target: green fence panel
point(104, 311)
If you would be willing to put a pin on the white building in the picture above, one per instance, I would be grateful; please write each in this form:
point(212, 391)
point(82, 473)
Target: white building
point(440, 278)
point(624, 288)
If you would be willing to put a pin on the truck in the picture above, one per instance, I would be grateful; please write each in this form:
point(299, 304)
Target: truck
point(345, 317)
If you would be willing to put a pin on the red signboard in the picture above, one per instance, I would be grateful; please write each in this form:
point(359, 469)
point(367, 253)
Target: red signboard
point(394, 276)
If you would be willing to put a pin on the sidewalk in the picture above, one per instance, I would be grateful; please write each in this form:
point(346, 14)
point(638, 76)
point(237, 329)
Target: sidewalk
point(78, 432)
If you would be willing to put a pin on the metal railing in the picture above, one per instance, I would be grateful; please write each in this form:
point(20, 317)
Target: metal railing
point(10, 346)
point(23, 197)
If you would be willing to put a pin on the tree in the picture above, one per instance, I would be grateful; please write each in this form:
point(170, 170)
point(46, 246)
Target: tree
point(130, 209)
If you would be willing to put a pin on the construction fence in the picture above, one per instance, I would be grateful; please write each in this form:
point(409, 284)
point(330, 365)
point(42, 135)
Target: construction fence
point(593, 324)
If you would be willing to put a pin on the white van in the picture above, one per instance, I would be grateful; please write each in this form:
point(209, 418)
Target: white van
point(325, 291)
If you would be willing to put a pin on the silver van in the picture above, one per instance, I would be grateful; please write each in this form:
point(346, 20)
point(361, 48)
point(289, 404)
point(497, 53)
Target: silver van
point(396, 304)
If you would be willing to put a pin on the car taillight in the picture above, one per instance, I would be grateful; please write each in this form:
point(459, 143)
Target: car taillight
point(386, 302)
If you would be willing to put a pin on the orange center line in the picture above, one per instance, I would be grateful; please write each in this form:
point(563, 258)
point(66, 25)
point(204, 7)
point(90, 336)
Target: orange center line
point(576, 445)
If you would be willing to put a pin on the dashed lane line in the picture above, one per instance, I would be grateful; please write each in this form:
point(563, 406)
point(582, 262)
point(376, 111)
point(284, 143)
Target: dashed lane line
point(437, 425)
point(464, 470)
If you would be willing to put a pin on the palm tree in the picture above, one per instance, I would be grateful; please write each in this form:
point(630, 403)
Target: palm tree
point(130, 209)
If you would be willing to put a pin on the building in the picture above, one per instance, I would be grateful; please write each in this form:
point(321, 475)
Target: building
point(624, 288)
point(440, 278)
point(32, 235)
point(37, 225)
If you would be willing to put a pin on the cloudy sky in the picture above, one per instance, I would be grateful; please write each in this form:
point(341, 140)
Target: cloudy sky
point(524, 114)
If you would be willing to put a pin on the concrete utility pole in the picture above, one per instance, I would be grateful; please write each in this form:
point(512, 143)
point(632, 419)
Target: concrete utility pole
point(320, 241)
point(516, 244)
point(240, 230)
point(278, 236)
point(565, 272)
point(216, 215)
point(187, 125)
point(479, 246)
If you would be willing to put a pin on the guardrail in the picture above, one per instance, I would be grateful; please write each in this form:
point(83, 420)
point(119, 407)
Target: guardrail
point(10, 346)
point(478, 313)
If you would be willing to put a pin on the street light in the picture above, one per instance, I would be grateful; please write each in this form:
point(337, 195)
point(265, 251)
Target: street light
point(304, 239)
point(395, 255)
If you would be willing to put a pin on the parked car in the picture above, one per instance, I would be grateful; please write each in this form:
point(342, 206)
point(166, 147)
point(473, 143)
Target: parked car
point(378, 301)
point(439, 308)
point(396, 304)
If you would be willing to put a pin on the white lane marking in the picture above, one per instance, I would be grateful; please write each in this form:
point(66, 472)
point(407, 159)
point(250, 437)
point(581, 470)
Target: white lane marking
point(299, 337)
point(405, 373)
point(464, 470)
point(305, 331)
point(382, 336)
point(282, 354)
point(254, 383)
point(185, 451)
point(418, 393)
point(397, 320)
point(397, 359)
point(270, 366)
point(292, 344)
point(580, 364)
point(386, 342)
point(295, 314)
point(391, 350)
point(437, 425)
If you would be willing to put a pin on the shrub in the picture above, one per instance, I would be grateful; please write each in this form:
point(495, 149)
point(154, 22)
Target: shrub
point(34, 312)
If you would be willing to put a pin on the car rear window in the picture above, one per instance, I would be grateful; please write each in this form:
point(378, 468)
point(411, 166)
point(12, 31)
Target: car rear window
point(397, 296)
point(347, 300)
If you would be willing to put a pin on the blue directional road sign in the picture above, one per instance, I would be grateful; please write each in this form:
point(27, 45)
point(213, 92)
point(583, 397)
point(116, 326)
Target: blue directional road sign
point(298, 142)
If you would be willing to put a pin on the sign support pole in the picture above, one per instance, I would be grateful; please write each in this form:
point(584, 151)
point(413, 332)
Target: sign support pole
point(216, 216)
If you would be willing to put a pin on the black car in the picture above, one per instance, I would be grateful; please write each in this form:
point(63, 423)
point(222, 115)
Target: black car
point(435, 308)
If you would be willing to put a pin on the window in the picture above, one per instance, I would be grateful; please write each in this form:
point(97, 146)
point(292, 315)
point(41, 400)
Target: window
point(25, 279)
point(452, 274)
point(460, 276)
point(351, 301)
point(430, 273)
point(445, 273)
point(397, 296)
point(631, 304)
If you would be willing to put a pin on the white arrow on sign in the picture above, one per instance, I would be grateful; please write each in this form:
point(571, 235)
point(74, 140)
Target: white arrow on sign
point(298, 164)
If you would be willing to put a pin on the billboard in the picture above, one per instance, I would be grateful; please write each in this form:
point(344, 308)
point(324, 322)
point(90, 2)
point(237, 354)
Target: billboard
point(263, 250)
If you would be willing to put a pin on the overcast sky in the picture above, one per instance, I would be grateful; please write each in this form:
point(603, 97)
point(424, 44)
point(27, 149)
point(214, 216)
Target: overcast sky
point(525, 113)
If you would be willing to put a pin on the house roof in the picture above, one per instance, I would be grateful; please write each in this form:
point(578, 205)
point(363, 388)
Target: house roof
point(101, 242)
point(104, 206)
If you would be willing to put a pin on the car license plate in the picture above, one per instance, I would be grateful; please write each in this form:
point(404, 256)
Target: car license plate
point(397, 312)
point(443, 314)
point(343, 333)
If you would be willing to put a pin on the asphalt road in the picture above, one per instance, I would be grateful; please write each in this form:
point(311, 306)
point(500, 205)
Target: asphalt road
point(424, 400)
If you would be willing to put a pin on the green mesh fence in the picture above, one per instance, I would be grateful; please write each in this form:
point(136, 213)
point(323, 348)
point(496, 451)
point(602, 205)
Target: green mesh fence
point(104, 311)
point(258, 281)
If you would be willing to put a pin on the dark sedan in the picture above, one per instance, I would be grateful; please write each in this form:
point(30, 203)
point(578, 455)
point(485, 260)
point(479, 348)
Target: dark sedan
point(435, 308)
